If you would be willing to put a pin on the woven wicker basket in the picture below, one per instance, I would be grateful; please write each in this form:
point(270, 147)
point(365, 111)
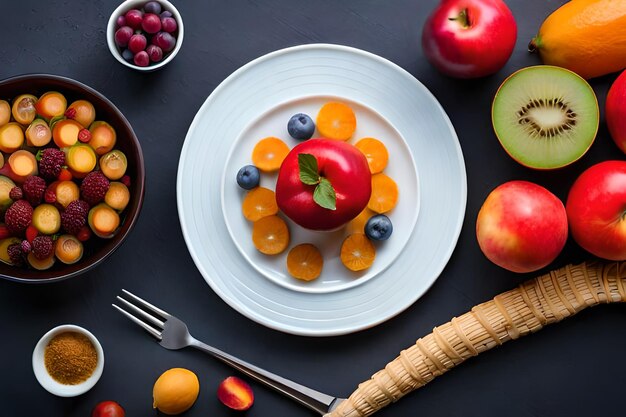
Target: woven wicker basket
point(534, 304)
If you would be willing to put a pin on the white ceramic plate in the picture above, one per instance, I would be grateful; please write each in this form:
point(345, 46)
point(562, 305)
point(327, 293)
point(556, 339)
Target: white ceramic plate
point(391, 100)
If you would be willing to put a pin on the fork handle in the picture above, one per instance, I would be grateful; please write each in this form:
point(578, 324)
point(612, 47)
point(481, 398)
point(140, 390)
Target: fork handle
point(315, 400)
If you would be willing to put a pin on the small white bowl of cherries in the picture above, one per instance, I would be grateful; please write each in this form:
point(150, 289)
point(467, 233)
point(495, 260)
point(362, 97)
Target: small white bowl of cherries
point(145, 35)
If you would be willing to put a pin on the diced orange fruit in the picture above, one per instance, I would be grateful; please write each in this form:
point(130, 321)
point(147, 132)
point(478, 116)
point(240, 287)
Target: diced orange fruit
point(357, 225)
point(5, 112)
point(23, 163)
point(269, 154)
point(375, 152)
point(65, 133)
point(270, 235)
point(336, 121)
point(357, 252)
point(51, 104)
point(103, 137)
point(11, 137)
point(384, 195)
point(259, 202)
point(305, 262)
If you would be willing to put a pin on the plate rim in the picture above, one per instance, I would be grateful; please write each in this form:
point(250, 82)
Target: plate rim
point(459, 219)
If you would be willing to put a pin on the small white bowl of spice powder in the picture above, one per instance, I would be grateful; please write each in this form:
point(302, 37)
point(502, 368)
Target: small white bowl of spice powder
point(68, 361)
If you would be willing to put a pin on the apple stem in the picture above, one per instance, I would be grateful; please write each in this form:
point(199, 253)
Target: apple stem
point(463, 18)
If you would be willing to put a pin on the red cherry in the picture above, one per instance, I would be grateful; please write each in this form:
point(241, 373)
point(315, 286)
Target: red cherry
point(134, 18)
point(151, 23)
point(137, 43)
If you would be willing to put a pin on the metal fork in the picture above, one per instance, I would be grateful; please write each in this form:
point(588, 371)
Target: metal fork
point(172, 333)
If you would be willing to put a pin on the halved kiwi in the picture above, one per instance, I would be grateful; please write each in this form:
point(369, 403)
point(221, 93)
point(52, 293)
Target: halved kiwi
point(545, 117)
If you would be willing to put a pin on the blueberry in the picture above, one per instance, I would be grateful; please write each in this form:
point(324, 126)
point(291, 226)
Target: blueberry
point(248, 177)
point(378, 227)
point(128, 55)
point(152, 7)
point(301, 126)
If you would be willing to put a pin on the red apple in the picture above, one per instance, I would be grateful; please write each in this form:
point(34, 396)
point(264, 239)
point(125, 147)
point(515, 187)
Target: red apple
point(616, 111)
point(339, 163)
point(521, 226)
point(469, 38)
point(596, 209)
point(235, 393)
point(108, 409)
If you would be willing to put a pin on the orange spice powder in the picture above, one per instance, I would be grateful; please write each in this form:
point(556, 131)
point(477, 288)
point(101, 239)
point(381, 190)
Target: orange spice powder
point(70, 358)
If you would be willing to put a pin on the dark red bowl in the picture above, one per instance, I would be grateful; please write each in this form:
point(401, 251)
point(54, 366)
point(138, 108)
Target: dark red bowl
point(96, 250)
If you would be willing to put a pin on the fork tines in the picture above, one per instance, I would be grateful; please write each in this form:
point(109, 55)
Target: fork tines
point(149, 317)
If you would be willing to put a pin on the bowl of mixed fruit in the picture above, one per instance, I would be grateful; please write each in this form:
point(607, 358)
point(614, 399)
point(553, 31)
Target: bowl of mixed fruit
point(71, 178)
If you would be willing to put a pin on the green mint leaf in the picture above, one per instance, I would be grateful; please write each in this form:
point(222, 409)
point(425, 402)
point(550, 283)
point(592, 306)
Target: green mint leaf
point(324, 195)
point(308, 169)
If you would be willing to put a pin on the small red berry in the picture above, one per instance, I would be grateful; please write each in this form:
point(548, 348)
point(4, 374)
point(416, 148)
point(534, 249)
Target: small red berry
point(141, 59)
point(4, 231)
point(31, 233)
point(83, 234)
point(70, 113)
point(84, 135)
point(65, 175)
point(137, 43)
point(50, 196)
point(125, 180)
point(133, 18)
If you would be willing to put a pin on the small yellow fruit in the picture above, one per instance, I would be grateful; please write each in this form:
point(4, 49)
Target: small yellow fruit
point(175, 391)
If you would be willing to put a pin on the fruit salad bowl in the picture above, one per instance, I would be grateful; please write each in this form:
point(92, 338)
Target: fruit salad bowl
point(96, 246)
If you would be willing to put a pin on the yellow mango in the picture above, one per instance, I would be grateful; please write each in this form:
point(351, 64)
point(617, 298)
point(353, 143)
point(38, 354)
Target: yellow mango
point(585, 36)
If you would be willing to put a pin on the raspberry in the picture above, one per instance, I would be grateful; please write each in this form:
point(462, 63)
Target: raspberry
point(16, 193)
point(33, 188)
point(51, 162)
point(18, 216)
point(15, 254)
point(75, 216)
point(42, 247)
point(94, 187)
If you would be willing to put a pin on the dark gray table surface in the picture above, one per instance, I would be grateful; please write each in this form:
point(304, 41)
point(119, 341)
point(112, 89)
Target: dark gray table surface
point(574, 368)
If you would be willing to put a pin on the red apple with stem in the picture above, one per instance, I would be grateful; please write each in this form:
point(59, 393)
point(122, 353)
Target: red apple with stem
point(596, 209)
point(615, 111)
point(469, 38)
point(521, 226)
point(323, 184)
